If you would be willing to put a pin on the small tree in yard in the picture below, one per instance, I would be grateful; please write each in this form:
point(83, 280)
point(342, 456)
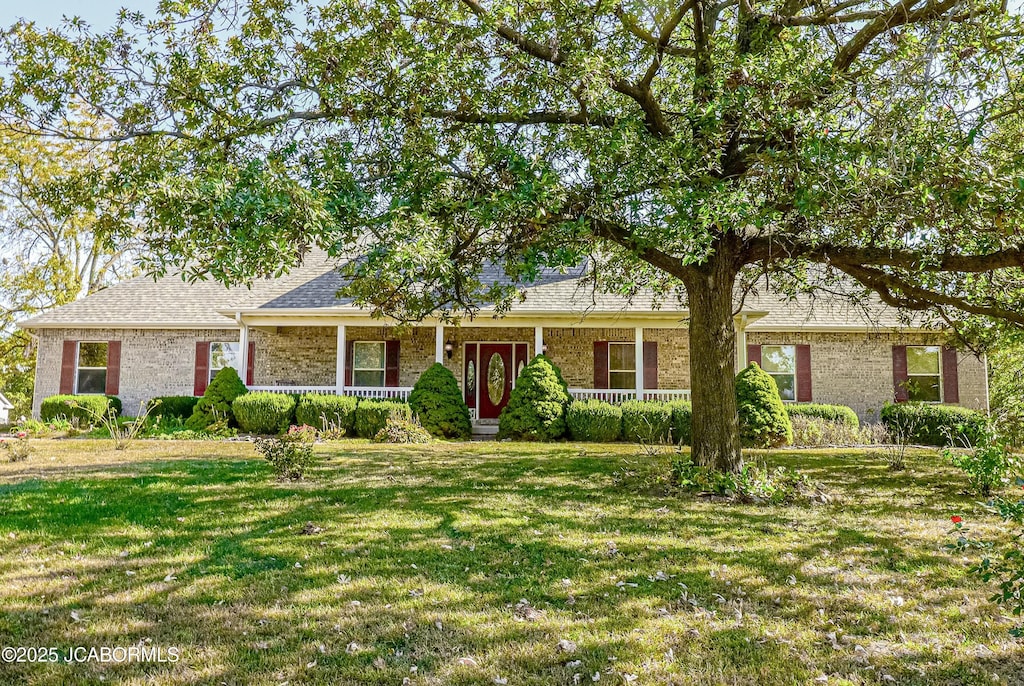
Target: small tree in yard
point(536, 408)
point(844, 148)
point(215, 405)
point(439, 404)
point(764, 422)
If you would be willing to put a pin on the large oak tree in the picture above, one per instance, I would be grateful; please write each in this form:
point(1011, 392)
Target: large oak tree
point(697, 147)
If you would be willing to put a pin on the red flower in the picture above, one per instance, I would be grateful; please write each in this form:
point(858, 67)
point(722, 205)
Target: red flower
point(956, 519)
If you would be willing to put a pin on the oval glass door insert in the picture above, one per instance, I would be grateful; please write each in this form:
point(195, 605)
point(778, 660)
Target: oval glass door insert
point(495, 379)
point(471, 376)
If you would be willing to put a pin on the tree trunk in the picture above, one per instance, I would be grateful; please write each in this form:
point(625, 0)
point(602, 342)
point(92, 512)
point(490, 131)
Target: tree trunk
point(716, 437)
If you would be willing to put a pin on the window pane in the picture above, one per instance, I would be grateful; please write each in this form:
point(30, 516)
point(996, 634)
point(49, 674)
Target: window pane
point(92, 381)
point(924, 389)
point(368, 355)
point(622, 380)
point(621, 356)
point(471, 376)
point(223, 355)
point(496, 379)
point(92, 355)
point(786, 384)
point(368, 378)
point(923, 359)
point(778, 359)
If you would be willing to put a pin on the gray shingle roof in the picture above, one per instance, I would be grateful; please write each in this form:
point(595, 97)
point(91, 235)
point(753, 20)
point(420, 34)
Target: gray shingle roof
point(172, 302)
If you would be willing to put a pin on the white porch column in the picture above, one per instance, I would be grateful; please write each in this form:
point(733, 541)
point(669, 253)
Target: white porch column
point(741, 343)
point(243, 351)
point(538, 340)
point(639, 361)
point(439, 344)
point(339, 371)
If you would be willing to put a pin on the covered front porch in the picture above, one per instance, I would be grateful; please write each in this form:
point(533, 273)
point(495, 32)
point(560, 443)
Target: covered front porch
point(610, 360)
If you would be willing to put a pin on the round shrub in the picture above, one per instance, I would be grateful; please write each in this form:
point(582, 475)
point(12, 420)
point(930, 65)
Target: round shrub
point(327, 412)
point(83, 408)
point(832, 413)
point(763, 419)
point(264, 412)
point(594, 420)
point(682, 422)
point(646, 421)
point(939, 425)
point(372, 416)
point(439, 404)
point(215, 405)
point(536, 407)
point(178, 406)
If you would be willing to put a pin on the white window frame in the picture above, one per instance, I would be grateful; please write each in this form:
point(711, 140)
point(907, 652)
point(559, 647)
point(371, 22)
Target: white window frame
point(631, 371)
point(238, 360)
point(383, 369)
point(774, 374)
point(78, 367)
point(910, 377)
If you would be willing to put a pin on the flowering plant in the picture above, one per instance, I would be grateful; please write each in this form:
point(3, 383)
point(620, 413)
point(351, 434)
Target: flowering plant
point(18, 449)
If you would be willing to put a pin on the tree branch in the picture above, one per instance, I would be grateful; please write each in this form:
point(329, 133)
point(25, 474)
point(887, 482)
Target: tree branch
point(897, 15)
point(899, 293)
point(527, 45)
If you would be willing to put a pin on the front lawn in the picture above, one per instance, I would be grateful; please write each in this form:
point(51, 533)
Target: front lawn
point(469, 564)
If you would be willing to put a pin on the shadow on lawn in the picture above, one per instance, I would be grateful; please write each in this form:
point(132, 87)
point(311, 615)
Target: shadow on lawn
point(413, 537)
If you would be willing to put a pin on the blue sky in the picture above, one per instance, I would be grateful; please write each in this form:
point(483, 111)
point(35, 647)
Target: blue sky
point(99, 13)
point(102, 13)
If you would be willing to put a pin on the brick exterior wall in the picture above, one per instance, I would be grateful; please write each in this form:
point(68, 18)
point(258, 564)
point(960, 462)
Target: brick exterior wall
point(855, 369)
point(154, 362)
point(846, 368)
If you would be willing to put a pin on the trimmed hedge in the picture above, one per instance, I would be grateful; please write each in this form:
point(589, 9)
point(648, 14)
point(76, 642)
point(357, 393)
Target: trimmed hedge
point(536, 407)
point(646, 421)
point(763, 419)
point(179, 406)
point(939, 425)
point(594, 420)
point(371, 416)
point(337, 410)
point(215, 405)
point(833, 413)
point(439, 404)
point(264, 412)
point(682, 422)
point(88, 406)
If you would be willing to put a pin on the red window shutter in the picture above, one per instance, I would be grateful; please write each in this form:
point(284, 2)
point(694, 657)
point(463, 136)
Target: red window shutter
point(350, 351)
point(113, 367)
point(754, 354)
point(600, 364)
point(67, 367)
point(899, 373)
point(202, 376)
point(650, 365)
point(950, 376)
point(803, 373)
point(391, 363)
point(250, 365)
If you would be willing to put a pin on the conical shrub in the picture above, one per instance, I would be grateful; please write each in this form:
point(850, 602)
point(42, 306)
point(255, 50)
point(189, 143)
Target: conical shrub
point(764, 422)
point(439, 404)
point(536, 408)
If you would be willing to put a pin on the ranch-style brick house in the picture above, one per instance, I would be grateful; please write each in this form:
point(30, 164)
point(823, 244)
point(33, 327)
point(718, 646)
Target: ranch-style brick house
point(144, 338)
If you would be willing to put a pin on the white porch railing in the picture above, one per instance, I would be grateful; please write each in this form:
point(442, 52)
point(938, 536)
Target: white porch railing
point(621, 395)
point(372, 392)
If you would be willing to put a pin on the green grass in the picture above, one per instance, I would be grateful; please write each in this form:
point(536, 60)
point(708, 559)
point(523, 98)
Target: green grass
point(426, 552)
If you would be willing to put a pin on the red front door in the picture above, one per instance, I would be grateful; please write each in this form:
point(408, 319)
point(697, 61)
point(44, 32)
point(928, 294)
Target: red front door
point(494, 378)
